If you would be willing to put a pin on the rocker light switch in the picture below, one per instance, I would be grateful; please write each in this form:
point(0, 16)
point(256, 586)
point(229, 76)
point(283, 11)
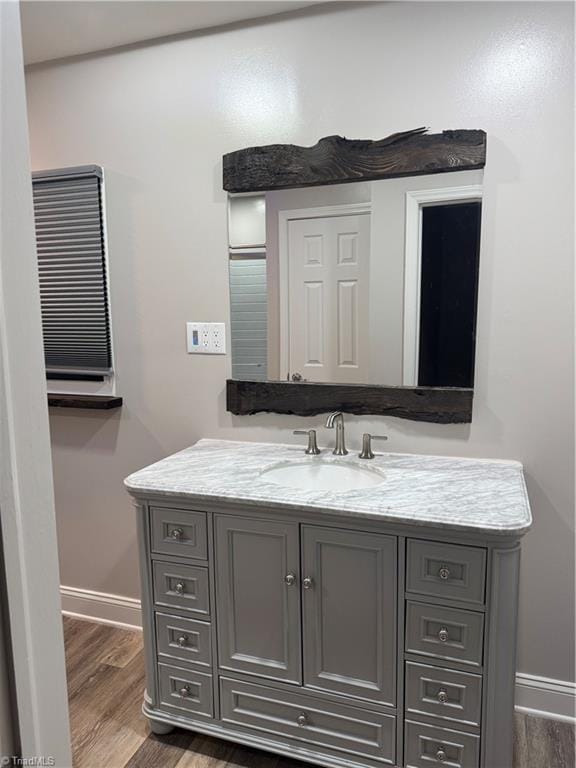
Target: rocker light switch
point(206, 338)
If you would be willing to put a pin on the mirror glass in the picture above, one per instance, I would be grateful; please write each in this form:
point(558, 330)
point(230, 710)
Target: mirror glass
point(359, 283)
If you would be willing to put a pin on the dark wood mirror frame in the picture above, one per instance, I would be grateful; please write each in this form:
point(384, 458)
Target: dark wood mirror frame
point(337, 160)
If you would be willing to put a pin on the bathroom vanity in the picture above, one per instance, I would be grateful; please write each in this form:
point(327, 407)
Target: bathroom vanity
point(349, 610)
point(367, 626)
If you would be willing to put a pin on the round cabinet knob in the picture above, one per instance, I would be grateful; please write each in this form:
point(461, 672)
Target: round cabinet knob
point(290, 579)
point(177, 533)
point(444, 573)
point(302, 720)
point(442, 696)
point(307, 583)
point(443, 635)
point(441, 754)
point(185, 691)
point(182, 641)
point(179, 588)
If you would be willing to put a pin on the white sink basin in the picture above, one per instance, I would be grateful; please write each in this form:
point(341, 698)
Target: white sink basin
point(318, 475)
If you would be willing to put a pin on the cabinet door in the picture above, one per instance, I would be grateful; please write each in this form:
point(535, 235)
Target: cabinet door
point(349, 594)
point(258, 597)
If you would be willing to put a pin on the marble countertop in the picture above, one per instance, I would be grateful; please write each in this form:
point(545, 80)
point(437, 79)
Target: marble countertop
point(475, 495)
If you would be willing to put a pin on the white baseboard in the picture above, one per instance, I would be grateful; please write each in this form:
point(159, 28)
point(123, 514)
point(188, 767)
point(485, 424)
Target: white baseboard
point(123, 612)
point(544, 697)
point(538, 696)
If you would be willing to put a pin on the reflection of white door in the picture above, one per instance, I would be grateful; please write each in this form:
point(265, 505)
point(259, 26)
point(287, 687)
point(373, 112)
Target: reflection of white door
point(328, 272)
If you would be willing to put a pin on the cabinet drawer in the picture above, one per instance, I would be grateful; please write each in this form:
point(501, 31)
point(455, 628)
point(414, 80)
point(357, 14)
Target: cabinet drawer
point(447, 633)
point(185, 639)
point(178, 532)
point(181, 586)
point(426, 746)
point(446, 570)
point(185, 691)
point(303, 717)
point(443, 693)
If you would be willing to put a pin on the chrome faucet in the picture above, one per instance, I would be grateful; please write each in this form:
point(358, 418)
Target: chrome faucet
point(336, 419)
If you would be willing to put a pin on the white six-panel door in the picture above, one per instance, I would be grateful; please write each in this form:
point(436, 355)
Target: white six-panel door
point(328, 270)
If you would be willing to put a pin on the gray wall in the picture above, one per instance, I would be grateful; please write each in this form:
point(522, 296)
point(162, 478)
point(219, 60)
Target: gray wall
point(159, 118)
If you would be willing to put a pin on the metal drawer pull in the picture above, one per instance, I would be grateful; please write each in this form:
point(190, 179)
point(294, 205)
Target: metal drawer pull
point(290, 579)
point(182, 641)
point(444, 573)
point(441, 754)
point(307, 583)
point(442, 696)
point(179, 588)
point(184, 691)
point(443, 635)
point(302, 720)
point(177, 533)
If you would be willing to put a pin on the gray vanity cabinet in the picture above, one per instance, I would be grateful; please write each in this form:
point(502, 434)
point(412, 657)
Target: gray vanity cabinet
point(258, 597)
point(339, 640)
point(349, 612)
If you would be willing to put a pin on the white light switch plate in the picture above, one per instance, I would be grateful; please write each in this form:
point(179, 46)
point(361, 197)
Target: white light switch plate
point(206, 338)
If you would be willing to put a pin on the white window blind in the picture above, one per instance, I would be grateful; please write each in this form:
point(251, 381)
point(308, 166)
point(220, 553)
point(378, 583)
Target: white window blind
point(72, 268)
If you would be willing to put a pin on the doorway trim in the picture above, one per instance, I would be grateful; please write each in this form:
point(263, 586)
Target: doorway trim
point(26, 488)
point(415, 201)
point(284, 219)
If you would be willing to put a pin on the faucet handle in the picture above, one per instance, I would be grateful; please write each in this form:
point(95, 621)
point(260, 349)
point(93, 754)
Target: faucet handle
point(367, 452)
point(312, 449)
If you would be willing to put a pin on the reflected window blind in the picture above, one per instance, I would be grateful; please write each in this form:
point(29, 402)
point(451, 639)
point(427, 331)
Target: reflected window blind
point(72, 267)
point(248, 310)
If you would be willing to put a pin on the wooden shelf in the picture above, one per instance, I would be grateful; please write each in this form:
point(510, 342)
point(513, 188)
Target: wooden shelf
point(440, 405)
point(92, 402)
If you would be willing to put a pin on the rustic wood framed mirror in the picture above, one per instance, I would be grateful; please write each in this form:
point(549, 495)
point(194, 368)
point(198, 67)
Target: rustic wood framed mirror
point(354, 275)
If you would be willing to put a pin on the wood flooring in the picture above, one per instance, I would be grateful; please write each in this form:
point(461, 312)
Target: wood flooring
point(105, 685)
